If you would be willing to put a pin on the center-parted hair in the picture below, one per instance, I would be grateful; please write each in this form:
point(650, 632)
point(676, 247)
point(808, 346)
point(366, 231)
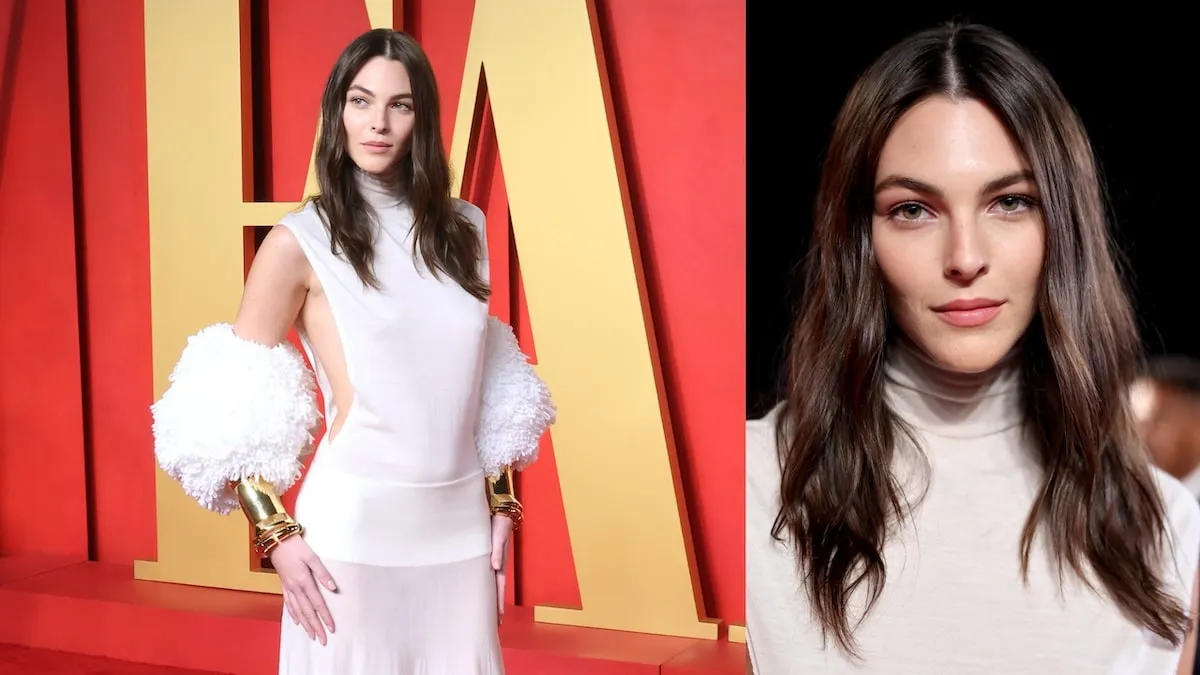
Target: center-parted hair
point(1098, 510)
point(446, 240)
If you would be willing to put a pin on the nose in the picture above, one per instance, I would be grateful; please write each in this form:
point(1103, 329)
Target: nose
point(380, 124)
point(966, 254)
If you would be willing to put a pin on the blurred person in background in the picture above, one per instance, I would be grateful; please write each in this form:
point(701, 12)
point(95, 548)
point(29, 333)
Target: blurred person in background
point(1166, 405)
point(1166, 401)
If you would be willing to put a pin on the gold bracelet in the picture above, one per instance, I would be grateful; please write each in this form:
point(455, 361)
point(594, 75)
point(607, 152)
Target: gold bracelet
point(267, 542)
point(502, 500)
point(265, 511)
point(512, 511)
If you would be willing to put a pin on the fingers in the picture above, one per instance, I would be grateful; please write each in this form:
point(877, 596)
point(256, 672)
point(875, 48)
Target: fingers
point(308, 616)
point(501, 579)
point(290, 603)
point(320, 610)
point(321, 574)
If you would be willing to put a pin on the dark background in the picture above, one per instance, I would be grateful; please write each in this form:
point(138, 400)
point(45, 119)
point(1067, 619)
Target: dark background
point(1133, 78)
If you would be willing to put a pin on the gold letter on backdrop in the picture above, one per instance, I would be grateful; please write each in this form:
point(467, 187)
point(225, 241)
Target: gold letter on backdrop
point(587, 303)
point(197, 215)
point(579, 259)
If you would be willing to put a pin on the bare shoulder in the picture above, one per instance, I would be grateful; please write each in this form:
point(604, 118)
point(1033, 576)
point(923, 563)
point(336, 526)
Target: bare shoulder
point(281, 258)
point(275, 288)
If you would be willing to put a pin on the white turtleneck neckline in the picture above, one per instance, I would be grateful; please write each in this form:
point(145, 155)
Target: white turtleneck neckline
point(952, 404)
point(380, 194)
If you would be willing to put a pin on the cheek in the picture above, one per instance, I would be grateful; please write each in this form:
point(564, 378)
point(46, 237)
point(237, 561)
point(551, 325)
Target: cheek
point(1026, 258)
point(403, 123)
point(352, 119)
point(904, 270)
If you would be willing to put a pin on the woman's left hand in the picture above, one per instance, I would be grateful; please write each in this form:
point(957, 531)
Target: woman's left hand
point(502, 528)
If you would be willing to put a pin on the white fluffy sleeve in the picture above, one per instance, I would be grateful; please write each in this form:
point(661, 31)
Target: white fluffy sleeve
point(515, 406)
point(233, 409)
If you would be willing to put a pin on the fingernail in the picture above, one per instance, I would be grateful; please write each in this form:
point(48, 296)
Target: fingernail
point(332, 586)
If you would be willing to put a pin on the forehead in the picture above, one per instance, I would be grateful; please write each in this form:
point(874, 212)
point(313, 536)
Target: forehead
point(949, 142)
point(383, 77)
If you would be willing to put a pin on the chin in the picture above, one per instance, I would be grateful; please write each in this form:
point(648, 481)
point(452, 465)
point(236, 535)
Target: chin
point(967, 354)
point(374, 164)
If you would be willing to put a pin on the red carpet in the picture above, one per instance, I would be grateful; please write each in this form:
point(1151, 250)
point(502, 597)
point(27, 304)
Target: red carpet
point(16, 660)
point(100, 610)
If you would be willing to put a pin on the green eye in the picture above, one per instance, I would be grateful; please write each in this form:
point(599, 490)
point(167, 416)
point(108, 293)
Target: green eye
point(1011, 203)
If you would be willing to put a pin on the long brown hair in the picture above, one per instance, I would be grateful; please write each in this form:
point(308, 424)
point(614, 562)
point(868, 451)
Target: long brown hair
point(446, 239)
point(1098, 507)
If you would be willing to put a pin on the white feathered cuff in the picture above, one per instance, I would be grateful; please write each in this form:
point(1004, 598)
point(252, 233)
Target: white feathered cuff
point(234, 409)
point(515, 407)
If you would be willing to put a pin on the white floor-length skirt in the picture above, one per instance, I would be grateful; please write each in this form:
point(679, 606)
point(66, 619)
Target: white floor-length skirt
point(431, 620)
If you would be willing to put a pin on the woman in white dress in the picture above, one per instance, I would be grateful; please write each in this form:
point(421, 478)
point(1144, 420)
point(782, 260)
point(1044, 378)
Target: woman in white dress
point(394, 562)
point(953, 483)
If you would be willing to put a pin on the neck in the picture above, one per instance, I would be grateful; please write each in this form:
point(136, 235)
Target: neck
point(381, 191)
point(929, 396)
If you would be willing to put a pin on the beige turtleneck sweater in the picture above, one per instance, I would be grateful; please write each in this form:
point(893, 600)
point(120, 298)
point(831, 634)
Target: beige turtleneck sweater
point(954, 602)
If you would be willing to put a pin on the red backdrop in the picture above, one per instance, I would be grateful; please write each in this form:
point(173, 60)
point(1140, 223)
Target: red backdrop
point(76, 466)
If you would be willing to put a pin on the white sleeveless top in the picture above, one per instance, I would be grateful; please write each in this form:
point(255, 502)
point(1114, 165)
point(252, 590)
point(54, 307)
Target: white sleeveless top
point(953, 602)
point(401, 483)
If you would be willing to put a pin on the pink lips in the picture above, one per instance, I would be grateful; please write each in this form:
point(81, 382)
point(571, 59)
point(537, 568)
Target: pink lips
point(377, 148)
point(969, 313)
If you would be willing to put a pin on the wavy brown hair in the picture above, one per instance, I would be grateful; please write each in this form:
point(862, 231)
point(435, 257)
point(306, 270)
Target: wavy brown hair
point(1098, 509)
point(446, 240)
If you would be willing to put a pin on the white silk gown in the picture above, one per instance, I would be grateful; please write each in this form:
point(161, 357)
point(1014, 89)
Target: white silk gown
point(395, 504)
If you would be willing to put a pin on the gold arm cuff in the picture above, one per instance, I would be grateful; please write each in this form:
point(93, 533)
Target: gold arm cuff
point(500, 489)
point(258, 499)
point(502, 498)
point(265, 511)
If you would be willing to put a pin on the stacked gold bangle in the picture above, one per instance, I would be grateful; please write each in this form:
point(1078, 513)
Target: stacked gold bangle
point(502, 499)
point(262, 507)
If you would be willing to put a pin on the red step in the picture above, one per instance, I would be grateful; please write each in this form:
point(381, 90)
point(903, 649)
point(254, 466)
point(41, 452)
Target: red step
point(99, 609)
point(17, 660)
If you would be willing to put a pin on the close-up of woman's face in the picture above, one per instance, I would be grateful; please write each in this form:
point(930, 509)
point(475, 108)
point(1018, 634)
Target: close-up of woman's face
point(957, 233)
point(379, 115)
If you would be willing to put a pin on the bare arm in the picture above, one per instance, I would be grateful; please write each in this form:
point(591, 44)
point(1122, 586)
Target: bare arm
point(275, 289)
point(1188, 655)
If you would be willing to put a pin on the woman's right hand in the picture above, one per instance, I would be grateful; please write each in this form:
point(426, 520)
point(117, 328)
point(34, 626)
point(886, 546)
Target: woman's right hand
point(300, 571)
